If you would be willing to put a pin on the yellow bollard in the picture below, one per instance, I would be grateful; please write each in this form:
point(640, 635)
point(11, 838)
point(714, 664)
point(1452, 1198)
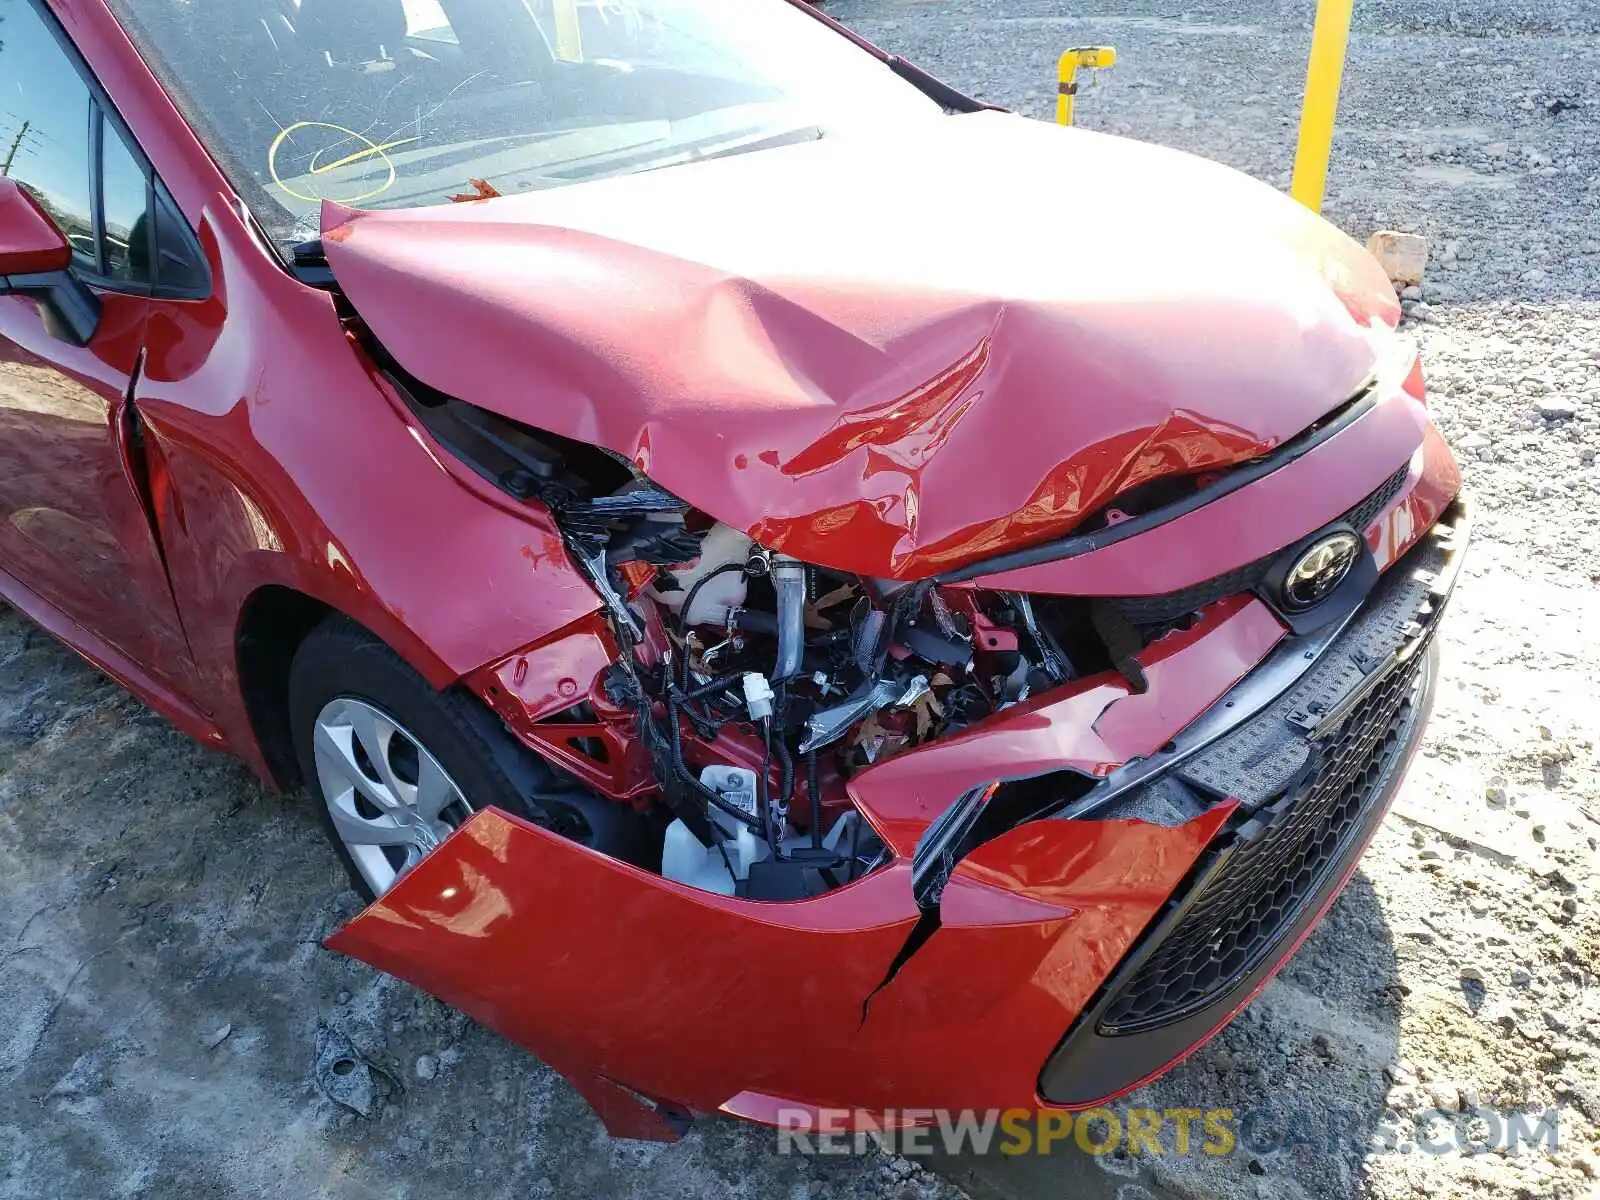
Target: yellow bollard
point(1094, 57)
point(1329, 39)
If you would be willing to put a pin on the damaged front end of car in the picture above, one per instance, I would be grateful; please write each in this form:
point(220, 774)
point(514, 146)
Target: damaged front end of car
point(1130, 875)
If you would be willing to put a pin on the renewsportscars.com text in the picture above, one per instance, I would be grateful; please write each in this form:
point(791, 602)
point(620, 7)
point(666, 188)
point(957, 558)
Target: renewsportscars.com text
point(1180, 1131)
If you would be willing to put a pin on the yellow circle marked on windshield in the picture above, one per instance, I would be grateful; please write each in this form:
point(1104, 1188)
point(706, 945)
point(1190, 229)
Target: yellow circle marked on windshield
point(366, 148)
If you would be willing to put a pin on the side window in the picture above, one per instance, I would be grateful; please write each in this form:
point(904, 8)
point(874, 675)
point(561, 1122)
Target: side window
point(125, 210)
point(44, 126)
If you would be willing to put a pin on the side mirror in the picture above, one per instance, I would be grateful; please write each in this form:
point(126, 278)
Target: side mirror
point(35, 260)
point(30, 243)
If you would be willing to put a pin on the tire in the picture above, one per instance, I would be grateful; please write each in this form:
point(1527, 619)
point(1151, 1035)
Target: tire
point(349, 687)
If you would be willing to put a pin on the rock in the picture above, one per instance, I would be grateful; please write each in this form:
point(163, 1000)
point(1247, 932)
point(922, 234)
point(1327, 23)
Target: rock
point(1421, 311)
point(1553, 1021)
point(1471, 974)
point(1472, 443)
point(427, 1066)
point(1445, 1096)
point(1412, 292)
point(1403, 256)
point(1536, 275)
point(217, 1036)
point(1497, 149)
point(344, 1076)
point(1553, 409)
point(1521, 977)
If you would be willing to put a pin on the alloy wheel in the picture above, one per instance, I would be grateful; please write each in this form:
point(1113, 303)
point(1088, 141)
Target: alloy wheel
point(390, 800)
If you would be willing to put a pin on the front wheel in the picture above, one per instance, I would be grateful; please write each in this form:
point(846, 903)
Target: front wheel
point(396, 765)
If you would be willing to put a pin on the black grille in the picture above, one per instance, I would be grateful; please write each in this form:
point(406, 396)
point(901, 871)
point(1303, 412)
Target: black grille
point(1172, 606)
point(1367, 511)
point(1250, 890)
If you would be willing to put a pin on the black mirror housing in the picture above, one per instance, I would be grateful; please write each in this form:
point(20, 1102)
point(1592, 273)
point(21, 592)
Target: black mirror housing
point(69, 310)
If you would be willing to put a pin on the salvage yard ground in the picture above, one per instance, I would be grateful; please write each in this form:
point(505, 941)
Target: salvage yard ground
point(161, 979)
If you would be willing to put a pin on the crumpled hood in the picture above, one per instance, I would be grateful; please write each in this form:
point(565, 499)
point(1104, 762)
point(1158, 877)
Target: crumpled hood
point(895, 355)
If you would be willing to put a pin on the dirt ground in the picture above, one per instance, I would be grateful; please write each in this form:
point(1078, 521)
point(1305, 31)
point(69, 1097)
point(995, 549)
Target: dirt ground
point(161, 980)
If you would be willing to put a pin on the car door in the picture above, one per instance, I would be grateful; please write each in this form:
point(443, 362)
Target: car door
point(74, 527)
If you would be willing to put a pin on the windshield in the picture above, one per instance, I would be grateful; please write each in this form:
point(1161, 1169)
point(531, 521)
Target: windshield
point(394, 103)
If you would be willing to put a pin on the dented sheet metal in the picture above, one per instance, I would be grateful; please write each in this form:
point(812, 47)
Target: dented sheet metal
point(488, 923)
point(935, 380)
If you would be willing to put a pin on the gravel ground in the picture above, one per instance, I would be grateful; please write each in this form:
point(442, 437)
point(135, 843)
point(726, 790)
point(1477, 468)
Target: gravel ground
point(159, 922)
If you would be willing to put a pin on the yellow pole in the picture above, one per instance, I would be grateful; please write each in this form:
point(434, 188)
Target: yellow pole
point(1096, 58)
point(1329, 39)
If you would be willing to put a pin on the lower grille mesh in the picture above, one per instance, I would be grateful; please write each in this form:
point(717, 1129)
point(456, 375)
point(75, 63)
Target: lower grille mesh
point(1253, 886)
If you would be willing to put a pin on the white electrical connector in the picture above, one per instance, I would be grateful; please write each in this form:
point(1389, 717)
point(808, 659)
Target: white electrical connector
point(757, 696)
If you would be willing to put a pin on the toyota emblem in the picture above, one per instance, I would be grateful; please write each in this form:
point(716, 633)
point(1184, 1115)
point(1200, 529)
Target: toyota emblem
point(1319, 570)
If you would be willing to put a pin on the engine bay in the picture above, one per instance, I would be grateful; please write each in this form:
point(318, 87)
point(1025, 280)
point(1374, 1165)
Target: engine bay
point(748, 686)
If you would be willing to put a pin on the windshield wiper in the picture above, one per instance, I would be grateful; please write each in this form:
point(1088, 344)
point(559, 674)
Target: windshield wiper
point(770, 141)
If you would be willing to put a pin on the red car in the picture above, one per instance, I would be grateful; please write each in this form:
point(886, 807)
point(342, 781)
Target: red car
point(791, 588)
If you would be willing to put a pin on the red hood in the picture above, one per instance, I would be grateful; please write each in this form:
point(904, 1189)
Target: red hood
point(889, 357)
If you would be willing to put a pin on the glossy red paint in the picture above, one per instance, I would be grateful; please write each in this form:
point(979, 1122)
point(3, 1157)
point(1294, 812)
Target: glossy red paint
point(73, 535)
point(842, 393)
point(1047, 909)
point(874, 374)
point(1434, 481)
point(29, 240)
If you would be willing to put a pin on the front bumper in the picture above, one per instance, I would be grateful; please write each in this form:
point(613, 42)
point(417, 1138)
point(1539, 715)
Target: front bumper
point(655, 999)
